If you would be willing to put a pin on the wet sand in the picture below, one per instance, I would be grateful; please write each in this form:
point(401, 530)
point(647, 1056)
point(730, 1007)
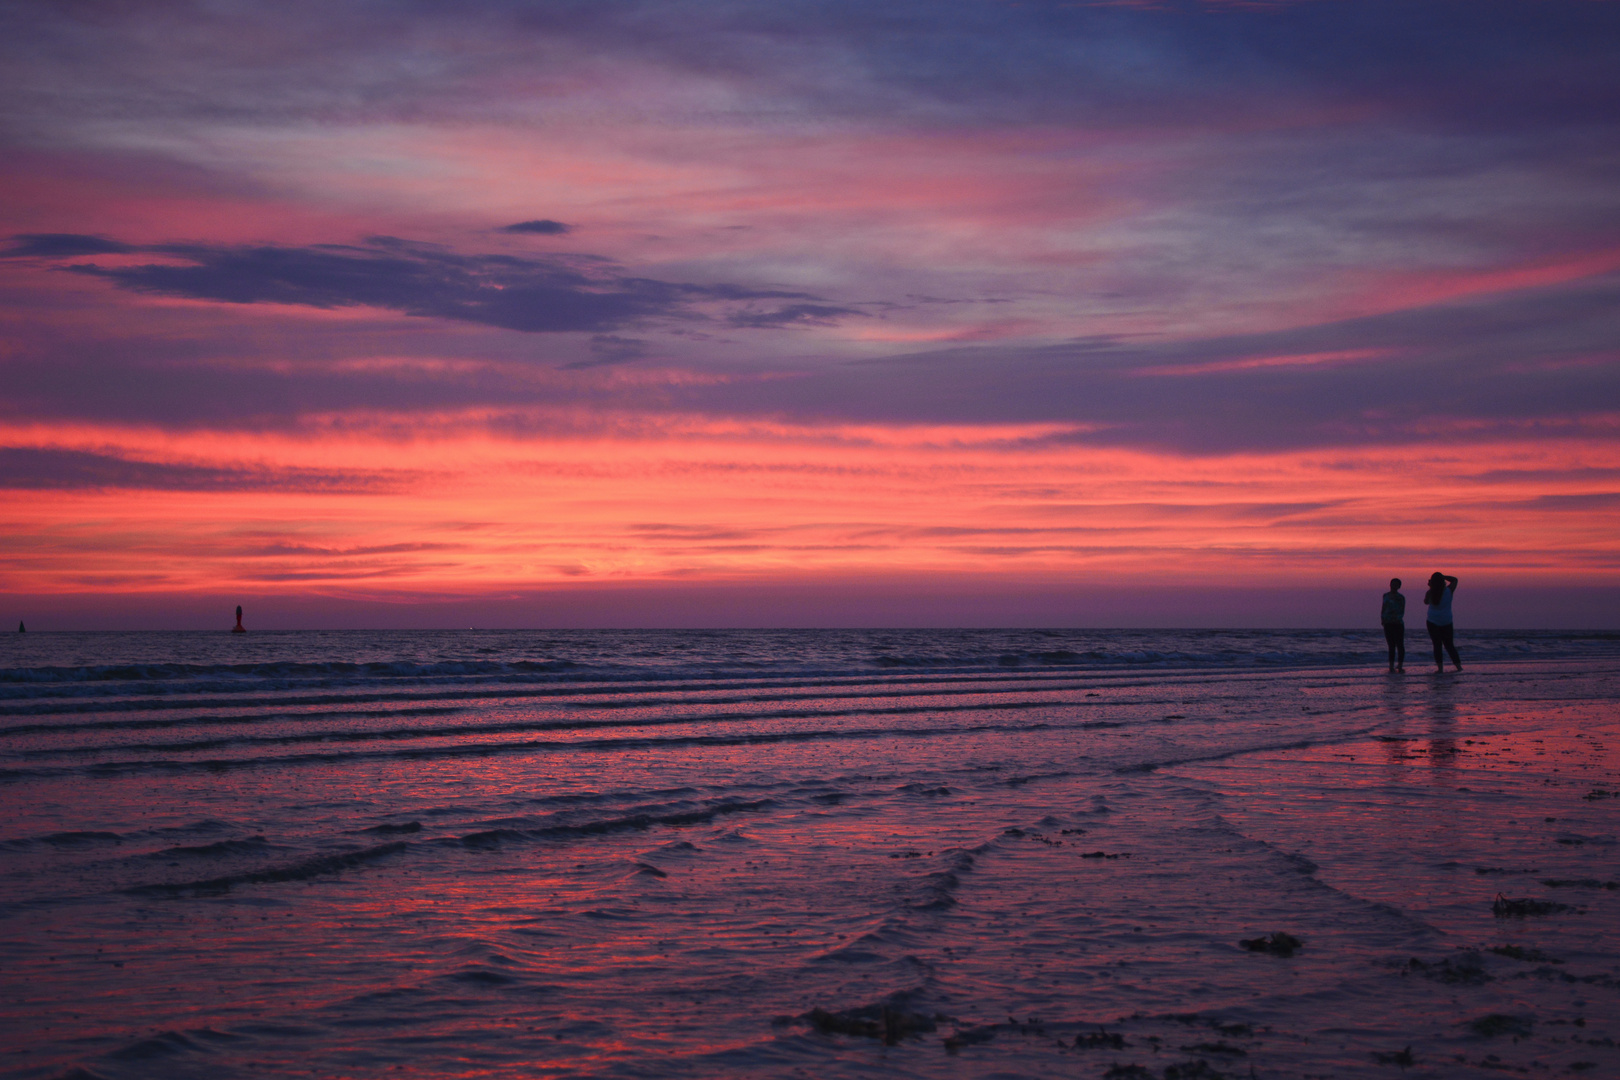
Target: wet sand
point(1166, 874)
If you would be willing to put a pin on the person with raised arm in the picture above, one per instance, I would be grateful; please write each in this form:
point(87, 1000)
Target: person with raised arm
point(1441, 588)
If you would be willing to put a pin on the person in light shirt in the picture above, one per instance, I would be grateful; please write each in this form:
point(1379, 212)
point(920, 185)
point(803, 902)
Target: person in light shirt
point(1441, 588)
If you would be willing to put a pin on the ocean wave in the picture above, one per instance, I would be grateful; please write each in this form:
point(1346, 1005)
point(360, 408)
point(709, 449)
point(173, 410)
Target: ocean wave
point(613, 696)
point(216, 720)
point(319, 866)
point(398, 669)
point(486, 839)
point(158, 697)
point(300, 671)
point(528, 746)
point(61, 840)
point(253, 845)
point(637, 821)
point(394, 734)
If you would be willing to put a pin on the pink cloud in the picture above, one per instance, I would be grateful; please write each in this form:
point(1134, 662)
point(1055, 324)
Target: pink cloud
point(720, 503)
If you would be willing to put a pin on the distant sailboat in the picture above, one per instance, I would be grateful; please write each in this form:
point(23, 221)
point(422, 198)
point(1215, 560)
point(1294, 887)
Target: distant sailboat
point(238, 628)
point(21, 629)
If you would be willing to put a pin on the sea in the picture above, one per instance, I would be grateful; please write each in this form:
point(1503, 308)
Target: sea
point(1159, 855)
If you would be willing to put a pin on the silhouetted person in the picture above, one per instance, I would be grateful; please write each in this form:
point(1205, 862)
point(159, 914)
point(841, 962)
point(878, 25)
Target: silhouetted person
point(1441, 588)
point(238, 628)
point(1393, 616)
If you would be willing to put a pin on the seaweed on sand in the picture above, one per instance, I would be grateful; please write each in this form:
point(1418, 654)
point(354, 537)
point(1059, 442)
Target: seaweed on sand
point(1504, 907)
point(1222, 1047)
point(1101, 1038)
point(1276, 944)
point(1403, 1058)
point(1193, 1070)
point(1501, 1024)
point(1580, 883)
point(1466, 970)
point(1519, 952)
point(885, 1020)
point(969, 1036)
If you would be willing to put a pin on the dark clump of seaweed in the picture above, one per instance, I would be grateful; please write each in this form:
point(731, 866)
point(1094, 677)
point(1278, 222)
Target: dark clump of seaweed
point(1598, 793)
point(408, 827)
point(1579, 883)
point(1193, 1070)
point(1127, 1072)
point(1031, 1026)
point(887, 1020)
point(320, 866)
point(969, 1036)
point(1495, 1024)
point(1519, 952)
point(1403, 1058)
point(1504, 907)
point(1276, 944)
point(1216, 1048)
point(1466, 970)
point(1100, 1039)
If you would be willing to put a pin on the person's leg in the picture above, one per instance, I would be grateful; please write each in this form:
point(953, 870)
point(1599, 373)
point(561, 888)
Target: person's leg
point(1389, 639)
point(1451, 646)
point(1400, 646)
point(1434, 636)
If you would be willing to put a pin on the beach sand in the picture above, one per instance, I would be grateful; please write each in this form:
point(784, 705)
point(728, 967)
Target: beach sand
point(1023, 873)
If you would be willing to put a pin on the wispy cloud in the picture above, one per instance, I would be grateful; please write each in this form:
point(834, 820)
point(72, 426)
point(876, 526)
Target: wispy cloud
point(1467, 370)
point(61, 246)
point(34, 468)
point(527, 293)
point(538, 227)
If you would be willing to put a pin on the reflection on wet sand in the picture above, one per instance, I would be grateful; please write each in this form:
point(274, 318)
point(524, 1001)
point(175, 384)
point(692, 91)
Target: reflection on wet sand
point(1442, 720)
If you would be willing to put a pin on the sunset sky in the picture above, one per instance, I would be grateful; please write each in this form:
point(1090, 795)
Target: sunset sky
point(808, 313)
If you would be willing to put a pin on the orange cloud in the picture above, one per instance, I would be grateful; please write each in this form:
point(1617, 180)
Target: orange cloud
point(471, 513)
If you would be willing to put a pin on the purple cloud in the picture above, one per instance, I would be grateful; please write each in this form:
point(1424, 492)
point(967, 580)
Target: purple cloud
point(61, 246)
point(542, 227)
point(1455, 371)
point(31, 468)
point(532, 294)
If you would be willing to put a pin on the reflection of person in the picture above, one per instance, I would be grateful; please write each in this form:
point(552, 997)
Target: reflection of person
point(1393, 616)
point(1441, 588)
